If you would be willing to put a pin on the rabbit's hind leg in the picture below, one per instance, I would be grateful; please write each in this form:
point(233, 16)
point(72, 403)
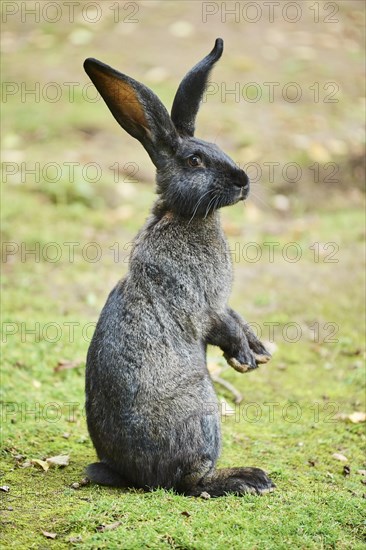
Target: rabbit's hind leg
point(102, 474)
point(238, 481)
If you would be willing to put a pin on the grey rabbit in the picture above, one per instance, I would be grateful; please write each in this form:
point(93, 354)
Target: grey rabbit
point(152, 411)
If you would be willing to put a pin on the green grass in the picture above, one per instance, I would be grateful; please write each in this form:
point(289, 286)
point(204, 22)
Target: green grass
point(294, 413)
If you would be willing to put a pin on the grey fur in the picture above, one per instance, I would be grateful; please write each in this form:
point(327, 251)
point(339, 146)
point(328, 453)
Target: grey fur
point(151, 407)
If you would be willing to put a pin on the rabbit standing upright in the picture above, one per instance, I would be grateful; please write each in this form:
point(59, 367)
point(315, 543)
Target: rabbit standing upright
point(151, 408)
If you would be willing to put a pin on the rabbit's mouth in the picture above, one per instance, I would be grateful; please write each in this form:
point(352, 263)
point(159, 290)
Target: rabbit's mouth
point(234, 196)
point(243, 194)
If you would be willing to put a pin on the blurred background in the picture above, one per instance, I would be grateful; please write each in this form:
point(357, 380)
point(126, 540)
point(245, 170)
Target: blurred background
point(289, 89)
point(286, 102)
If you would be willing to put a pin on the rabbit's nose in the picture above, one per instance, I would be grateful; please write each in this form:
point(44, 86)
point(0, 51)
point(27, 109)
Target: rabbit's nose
point(241, 179)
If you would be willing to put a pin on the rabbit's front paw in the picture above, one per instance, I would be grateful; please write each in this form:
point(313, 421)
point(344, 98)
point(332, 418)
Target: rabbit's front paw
point(262, 357)
point(240, 367)
point(243, 362)
point(258, 349)
point(249, 357)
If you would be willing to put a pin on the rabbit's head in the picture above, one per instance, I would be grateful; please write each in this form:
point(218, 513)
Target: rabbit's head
point(194, 177)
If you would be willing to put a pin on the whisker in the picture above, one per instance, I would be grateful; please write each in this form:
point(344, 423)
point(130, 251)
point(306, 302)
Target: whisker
point(209, 206)
point(217, 203)
point(260, 184)
point(260, 199)
point(198, 203)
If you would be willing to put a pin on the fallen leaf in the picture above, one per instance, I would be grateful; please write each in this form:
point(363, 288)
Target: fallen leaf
point(41, 464)
point(186, 514)
point(64, 364)
point(351, 353)
point(49, 535)
point(357, 417)
point(19, 457)
point(75, 539)
point(85, 481)
point(205, 495)
point(5, 488)
point(311, 462)
point(346, 470)
point(340, 457)
point(59, 460)
point(109, 527)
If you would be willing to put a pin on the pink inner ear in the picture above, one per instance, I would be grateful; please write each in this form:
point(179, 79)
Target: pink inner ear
point(121, 96)
point(125, 97)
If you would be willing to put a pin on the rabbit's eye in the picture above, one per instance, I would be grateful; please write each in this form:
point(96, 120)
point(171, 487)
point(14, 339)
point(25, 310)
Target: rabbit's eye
point(194, 161)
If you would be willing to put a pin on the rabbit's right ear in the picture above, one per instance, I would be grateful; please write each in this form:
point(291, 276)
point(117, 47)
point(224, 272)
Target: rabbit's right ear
point(189, 94)
point(136, 108)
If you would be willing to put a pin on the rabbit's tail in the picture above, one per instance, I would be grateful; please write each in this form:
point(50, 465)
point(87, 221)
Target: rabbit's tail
point(102, 474)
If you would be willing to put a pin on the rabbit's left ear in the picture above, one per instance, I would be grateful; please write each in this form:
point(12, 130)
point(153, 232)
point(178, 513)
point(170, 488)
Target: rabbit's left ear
point(189, 94)
point(136, 108)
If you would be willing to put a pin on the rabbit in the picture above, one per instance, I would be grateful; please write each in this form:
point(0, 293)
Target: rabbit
point(152, 412)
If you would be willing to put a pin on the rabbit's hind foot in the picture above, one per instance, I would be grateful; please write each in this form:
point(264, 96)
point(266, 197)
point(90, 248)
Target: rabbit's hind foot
point(237, 481)
point(102, 474)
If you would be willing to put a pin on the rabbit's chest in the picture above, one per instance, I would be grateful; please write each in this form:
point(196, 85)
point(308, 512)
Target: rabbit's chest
point(189, 265)
point(207, 270)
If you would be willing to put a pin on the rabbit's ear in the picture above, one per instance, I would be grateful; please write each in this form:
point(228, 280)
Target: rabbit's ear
point(136, 108)
point(189, 94)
